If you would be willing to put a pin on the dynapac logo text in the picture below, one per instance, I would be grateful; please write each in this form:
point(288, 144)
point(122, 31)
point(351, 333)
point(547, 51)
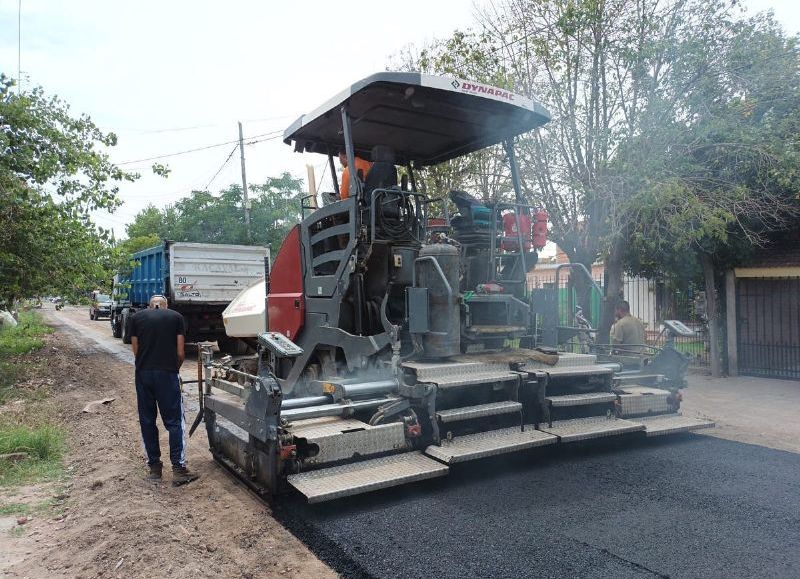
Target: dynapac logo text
point(483, 89)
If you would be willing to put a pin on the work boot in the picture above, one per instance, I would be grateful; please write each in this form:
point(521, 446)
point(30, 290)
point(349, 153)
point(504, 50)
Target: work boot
point(182, 475)
point(155, 471)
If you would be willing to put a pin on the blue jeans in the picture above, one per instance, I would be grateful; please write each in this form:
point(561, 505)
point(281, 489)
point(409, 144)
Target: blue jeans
point(159, 391)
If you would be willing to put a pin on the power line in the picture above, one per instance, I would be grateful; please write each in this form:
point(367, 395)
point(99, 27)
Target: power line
point(220, 169)
point(19, 47)
point(270, 135)
point(136, 131)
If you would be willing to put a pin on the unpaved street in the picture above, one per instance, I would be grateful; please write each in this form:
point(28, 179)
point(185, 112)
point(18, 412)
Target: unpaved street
point(119, 525)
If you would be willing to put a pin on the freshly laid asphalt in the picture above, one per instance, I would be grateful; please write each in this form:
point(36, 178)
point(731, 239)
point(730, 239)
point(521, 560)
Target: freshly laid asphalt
point(691, 506)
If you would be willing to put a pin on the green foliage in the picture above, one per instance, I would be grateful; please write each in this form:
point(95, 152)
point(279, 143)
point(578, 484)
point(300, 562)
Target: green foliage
point(23, 338)
point(31, 432)
point(468, 55)
point(673, 123)
point(51, 176)
point(722, 154)
point(41, 443)
point(206, 218)
point(45, 446)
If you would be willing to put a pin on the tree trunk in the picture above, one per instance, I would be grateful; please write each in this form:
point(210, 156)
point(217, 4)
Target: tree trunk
point(613, 292)
point(712, 311)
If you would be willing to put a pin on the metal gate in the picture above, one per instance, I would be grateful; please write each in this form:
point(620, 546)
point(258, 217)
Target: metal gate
point(768, 327)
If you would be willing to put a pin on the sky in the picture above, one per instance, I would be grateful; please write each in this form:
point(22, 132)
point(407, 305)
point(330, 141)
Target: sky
point(171, 76)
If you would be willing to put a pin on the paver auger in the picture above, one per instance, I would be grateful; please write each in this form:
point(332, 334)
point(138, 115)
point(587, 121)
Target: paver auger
point(399, 340)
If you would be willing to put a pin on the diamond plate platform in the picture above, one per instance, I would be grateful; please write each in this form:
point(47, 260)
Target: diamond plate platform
point(565, 359)
point(671, 424)
point(478, 411)
point(453, 374)
point(366, 476)
point(483, 444)
point(571, 371)
point(340, 439)
point(581, 399)
point(588, 428)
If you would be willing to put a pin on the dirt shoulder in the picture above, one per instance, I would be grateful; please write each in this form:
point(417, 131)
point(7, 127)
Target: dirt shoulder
point(116, 524)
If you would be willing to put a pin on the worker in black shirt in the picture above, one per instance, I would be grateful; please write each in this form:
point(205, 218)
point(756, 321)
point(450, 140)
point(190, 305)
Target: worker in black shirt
point(157, 337)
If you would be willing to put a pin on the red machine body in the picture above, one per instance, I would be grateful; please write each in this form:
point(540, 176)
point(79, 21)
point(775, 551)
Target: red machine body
point(286, 306)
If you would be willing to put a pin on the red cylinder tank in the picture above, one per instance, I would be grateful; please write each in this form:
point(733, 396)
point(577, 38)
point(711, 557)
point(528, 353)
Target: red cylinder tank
point(510, 240)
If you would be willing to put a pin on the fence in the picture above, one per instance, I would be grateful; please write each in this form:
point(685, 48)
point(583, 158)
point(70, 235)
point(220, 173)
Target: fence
point(651, 300)
point(768, 327)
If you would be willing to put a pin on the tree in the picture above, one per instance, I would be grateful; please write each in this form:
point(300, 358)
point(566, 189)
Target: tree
point(51, 177)
point(152, 221)
point(469, 55)
point(724, 173)
point(206, 218)
point(638, 90)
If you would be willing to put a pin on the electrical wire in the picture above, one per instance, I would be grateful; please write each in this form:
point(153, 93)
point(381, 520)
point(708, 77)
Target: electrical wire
point(134, 131)
point(220, 168)
point(270, 135)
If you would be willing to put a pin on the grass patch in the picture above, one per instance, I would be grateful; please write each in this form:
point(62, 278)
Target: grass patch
point(46, 507)
point(695, 348)
point(16, 532)
point(22, 339)
point(30, 430)
point(43, 442)
point(44, 446)
point(25, 337)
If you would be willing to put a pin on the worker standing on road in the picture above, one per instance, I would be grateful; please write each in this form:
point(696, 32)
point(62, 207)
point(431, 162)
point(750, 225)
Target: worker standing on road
point(158, 338)
point(361, 165)
point(627, 331)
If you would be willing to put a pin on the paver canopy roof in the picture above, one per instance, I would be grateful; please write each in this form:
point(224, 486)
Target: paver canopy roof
point(423, 118)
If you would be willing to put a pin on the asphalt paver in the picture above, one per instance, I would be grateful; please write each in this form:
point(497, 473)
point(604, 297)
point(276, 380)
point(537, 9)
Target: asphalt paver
point(689, 506)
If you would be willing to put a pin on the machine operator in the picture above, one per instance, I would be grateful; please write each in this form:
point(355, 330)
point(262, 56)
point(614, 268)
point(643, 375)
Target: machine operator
point(362, 166)
point(627, 332)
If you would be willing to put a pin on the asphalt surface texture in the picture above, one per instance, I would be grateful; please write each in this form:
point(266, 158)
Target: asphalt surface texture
point(685, 506)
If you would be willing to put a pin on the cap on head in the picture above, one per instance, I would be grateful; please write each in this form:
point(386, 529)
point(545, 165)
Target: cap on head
point(158, 302)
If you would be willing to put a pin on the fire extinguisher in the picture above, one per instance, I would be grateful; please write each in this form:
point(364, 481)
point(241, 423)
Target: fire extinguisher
point(540, 229)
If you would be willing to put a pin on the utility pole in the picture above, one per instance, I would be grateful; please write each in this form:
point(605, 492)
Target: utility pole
point(19, 47)
point(244, 187)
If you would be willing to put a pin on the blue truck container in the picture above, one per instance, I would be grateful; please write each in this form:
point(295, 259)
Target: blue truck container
point(198, 279)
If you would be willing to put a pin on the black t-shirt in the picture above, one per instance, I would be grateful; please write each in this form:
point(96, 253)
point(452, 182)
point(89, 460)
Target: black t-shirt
point(157, 331)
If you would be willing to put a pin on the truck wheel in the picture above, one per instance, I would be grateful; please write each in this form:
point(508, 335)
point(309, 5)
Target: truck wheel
point(116, 327)
point(126, 330)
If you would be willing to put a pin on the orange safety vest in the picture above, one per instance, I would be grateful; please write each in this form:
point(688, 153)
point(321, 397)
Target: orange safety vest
point(344, 187)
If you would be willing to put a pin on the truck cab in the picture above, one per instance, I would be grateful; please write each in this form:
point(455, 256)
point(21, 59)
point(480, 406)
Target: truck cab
point(100, 306)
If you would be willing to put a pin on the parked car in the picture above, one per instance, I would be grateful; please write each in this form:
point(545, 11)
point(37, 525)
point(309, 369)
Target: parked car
point(101, 306)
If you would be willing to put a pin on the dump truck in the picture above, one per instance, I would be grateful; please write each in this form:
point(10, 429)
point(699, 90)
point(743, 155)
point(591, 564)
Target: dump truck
point(397, 339)
point(198, 280)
